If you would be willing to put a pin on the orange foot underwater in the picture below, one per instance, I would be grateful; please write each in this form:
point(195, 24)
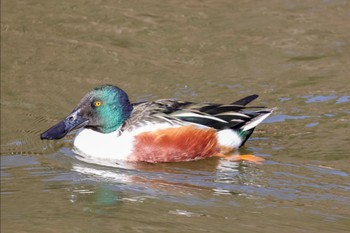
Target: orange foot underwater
point(248, 157)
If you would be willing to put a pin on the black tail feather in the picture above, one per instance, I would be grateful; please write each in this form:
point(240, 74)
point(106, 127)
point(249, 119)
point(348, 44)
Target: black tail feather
point(246, 100)
point(245, 136)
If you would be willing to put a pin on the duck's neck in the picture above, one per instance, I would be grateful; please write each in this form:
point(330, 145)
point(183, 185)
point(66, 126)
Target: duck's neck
point(113, 121)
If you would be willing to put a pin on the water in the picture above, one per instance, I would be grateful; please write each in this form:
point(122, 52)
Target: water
point(295, 54)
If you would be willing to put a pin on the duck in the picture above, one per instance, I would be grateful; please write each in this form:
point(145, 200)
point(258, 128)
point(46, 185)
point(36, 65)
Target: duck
point(165, 130)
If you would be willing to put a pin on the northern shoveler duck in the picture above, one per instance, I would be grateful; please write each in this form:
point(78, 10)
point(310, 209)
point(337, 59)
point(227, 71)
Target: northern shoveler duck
point(161, 131)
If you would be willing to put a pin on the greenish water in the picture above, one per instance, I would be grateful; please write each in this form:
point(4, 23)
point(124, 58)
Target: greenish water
point(294, 54)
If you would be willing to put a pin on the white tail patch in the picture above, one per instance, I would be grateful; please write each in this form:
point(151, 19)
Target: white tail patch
point(229, 138)
point(257, 120)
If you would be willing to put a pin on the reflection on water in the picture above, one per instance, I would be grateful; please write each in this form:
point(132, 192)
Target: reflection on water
point(217, 176)
point(294, 54)
point(211, 184)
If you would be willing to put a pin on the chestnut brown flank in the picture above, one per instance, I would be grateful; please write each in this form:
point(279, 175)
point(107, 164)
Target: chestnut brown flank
point(175, 144)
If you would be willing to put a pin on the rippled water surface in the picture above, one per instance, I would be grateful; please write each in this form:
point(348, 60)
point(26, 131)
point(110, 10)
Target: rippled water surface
point(294, 54)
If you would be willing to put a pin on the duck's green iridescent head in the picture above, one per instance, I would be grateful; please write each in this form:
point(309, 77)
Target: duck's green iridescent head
point(103, 109)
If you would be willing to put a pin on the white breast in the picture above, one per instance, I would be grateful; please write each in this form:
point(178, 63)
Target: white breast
point(103, 146)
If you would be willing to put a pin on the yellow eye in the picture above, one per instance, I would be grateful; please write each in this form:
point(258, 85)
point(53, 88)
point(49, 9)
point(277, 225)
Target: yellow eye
point(98, 103)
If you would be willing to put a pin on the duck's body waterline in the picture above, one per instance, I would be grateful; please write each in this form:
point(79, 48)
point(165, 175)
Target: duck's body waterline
point(165, 144)
point(159, 131)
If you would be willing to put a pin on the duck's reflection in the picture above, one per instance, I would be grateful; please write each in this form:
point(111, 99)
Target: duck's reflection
point(201, 177)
